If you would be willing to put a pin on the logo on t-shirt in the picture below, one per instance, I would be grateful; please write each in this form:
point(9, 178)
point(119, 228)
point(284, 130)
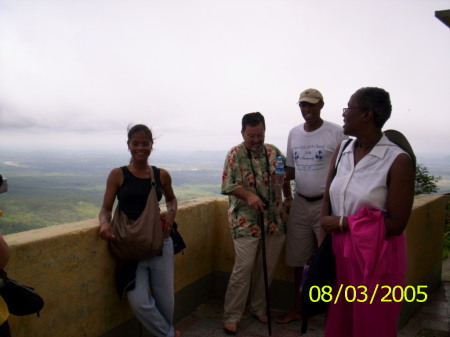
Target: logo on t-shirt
point(319, 156)
point(309, 157)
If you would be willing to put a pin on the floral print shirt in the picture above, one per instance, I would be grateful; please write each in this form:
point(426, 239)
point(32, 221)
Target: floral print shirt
point(238, 173)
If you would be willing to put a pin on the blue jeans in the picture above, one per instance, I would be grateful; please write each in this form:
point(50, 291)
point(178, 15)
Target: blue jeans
point(154, 308)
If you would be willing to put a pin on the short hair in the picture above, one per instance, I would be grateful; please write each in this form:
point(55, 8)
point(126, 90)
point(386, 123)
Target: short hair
point(252, 119)
point(378, 100)
point(139, 128)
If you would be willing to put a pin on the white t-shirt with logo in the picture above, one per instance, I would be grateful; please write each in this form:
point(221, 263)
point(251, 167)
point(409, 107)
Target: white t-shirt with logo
point(310, 153)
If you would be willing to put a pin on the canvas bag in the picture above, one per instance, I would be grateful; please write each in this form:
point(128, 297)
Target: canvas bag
point(141, 238)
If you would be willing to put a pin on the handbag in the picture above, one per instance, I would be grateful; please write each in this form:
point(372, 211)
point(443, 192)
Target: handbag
point(141, 238)
point(319, 271)
point(20, 299)
point(178, 243)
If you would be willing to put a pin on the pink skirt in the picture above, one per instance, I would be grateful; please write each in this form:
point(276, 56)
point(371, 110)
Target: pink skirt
point(370, 279)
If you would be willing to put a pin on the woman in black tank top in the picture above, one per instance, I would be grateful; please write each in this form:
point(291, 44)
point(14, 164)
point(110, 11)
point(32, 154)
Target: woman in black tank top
point(131, 185)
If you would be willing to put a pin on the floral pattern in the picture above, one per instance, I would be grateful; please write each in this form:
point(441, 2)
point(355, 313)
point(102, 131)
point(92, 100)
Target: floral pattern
point(238, 173)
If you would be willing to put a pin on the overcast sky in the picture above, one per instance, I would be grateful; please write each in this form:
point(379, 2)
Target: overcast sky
point(74, 74)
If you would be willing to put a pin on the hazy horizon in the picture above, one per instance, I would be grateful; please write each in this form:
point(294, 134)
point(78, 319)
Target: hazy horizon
point(122, 151)
point(170, 157)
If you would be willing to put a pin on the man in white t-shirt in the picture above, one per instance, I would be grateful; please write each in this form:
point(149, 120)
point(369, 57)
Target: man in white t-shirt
point(310, 147)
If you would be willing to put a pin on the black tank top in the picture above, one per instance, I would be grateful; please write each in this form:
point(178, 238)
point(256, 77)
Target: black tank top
point(133, 193)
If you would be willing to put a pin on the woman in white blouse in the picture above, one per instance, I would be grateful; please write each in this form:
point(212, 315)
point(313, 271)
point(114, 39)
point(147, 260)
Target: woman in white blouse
point(373, 177)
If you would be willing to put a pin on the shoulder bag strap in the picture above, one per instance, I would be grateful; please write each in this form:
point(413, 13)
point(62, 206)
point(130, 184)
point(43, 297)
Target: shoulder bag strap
point(340, 156)
point(159, 187)
point(335, 170)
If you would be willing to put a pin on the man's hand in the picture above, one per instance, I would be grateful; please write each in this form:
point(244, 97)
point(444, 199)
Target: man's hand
point(287, 205)
point(255, 203)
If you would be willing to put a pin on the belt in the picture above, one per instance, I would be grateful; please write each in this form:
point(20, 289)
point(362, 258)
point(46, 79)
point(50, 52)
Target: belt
point(311, 199)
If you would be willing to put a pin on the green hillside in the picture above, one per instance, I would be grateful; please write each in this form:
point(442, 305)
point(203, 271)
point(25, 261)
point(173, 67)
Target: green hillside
point(50, 189)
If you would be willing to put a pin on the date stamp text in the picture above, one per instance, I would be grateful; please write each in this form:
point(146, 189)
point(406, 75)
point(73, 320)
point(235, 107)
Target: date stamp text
point(362, 294)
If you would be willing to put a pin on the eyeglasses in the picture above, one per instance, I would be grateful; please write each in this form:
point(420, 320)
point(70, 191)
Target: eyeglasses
point(344, 110)
point(252, 136)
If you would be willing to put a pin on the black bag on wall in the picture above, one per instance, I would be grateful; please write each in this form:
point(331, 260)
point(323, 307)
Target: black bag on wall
point(178, 243)
point(21, 300)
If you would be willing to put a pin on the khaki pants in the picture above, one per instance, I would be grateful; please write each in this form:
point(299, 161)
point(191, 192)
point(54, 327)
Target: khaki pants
point(247, 278)
point(303, 231)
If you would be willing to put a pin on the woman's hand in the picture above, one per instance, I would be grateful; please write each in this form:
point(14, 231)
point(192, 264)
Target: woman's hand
point(171, 202)
point(330, 224)
point(113, 182)
point(106, 232)
point(169, 218)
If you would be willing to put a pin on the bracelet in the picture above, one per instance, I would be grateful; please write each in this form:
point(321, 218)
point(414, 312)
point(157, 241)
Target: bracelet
point(172, 210)
point(341, 220)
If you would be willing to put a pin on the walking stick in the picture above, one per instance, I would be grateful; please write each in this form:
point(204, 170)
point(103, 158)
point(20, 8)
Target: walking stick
point(264, 260)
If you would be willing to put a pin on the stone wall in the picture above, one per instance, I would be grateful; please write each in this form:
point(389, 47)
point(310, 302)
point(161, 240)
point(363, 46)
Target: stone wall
point(71, 268)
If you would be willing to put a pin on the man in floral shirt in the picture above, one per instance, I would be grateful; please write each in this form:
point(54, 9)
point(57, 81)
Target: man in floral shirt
point(247, 180)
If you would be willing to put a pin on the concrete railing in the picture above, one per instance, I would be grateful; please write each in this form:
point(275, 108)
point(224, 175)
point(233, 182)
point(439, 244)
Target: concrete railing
point(71, 268)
